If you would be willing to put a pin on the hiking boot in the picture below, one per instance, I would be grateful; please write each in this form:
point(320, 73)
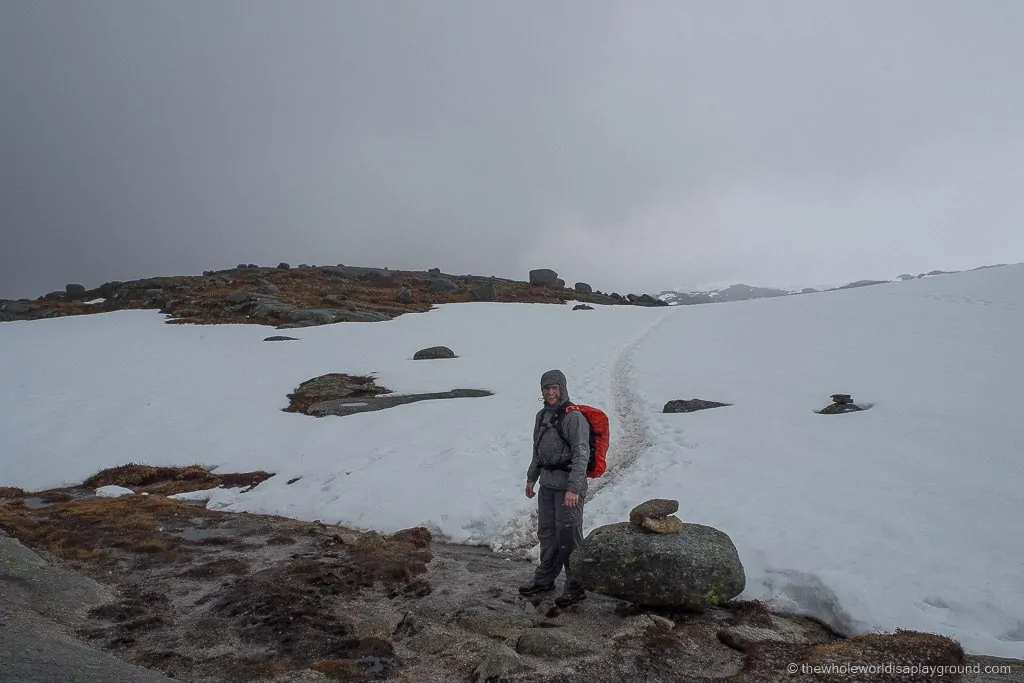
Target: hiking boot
point(570, 597)
point(535, 588)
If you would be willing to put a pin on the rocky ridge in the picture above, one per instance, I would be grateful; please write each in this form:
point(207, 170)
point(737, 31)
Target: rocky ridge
point(305, 296)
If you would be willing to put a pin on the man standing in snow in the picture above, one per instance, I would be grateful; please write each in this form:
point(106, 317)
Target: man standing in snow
point(561, 450)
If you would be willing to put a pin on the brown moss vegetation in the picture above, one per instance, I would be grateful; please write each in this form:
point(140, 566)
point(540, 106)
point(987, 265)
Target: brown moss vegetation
point(168, 481)
point(332, 386)
point(84, 529)
point(88, 529)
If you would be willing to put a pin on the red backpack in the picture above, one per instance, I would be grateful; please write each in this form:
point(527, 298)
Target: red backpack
point(600, 436)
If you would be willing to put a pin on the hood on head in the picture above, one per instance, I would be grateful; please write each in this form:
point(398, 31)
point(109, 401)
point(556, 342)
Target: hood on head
point(556, 377)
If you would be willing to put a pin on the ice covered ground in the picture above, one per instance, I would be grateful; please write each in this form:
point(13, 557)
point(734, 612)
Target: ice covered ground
point(906, 515)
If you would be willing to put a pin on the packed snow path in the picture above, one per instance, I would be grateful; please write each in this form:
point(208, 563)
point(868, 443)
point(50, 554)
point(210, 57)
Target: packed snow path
point(629, 438)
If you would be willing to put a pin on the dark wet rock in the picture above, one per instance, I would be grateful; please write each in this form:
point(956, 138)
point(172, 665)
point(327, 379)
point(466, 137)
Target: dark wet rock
point(283, 266)
point(434, 353)
point(342, 407)
point(583, 287)
point(582, 307)
point(696, 568)
point(279, 338)
point(75, 291)
point(692, 405)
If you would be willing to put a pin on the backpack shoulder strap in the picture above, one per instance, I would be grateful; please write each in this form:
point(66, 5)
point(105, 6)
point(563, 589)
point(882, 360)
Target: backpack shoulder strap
point(557, 420)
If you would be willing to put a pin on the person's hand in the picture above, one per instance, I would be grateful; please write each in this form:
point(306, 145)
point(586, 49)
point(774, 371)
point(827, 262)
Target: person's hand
point(529, 490)
point(571, 499)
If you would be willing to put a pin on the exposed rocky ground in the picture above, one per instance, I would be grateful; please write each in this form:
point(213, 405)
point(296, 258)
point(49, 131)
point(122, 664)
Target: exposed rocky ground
point(202, 595)
point(289, 297)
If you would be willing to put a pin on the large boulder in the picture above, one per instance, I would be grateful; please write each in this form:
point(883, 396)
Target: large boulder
point(694, 569)
point(583, 287)
point(544, 277)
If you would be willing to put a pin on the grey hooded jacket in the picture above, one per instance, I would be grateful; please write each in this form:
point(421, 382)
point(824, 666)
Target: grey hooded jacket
point(549, 449)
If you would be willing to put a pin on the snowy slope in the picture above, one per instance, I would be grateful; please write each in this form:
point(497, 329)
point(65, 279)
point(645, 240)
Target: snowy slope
point(907, 515)
point(90, 392)
point(910, 513)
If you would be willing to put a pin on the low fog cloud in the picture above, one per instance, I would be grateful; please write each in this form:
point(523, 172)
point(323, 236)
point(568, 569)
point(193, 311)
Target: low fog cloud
point(637, 146)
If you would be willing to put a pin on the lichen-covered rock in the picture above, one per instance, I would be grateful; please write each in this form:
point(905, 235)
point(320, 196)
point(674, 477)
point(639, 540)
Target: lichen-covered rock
point(656, 507)
point(696, 568)
point(663, 525)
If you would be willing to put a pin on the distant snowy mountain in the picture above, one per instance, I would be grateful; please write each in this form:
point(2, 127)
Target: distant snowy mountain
point(743, 292)
point(738, 292)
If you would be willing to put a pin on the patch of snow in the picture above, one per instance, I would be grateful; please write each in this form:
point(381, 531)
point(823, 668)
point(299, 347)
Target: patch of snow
point(95, 301)
point(113, 491)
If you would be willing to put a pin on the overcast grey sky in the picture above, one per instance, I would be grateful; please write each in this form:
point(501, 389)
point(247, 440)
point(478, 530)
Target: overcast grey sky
point(639, 146)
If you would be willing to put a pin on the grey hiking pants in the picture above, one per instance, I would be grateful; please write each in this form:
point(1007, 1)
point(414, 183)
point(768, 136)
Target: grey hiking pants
point(560, 531)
